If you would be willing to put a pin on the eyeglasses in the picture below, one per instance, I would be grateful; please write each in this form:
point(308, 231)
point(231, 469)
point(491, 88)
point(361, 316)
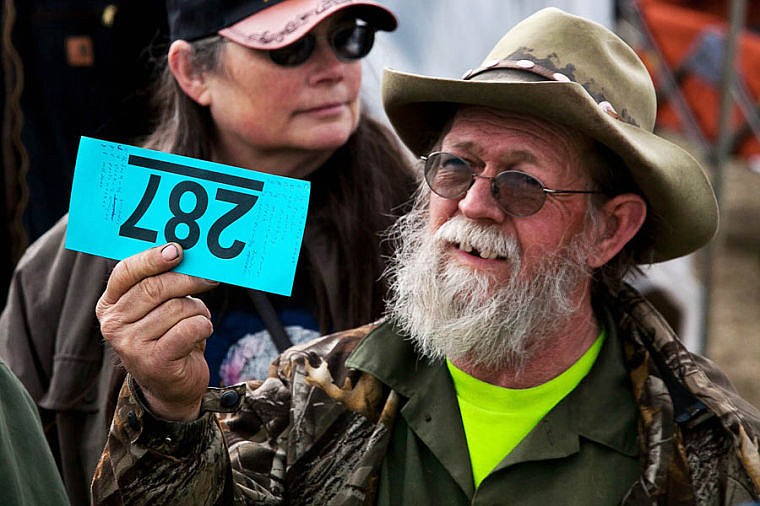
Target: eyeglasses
point(349, 42)
point(517, 193)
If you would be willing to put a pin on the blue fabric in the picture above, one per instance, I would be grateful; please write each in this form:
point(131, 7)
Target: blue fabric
point(236, 325)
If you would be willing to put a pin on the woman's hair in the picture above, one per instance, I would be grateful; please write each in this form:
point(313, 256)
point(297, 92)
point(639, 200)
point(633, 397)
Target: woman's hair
point(183, 126)
point(357, 194)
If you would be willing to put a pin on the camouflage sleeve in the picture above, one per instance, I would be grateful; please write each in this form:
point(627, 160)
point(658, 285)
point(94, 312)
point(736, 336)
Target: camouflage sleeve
point(238, 451)
point(257, 437)
point(147, 460)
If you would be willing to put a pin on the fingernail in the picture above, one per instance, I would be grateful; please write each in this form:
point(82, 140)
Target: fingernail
point(170, 252)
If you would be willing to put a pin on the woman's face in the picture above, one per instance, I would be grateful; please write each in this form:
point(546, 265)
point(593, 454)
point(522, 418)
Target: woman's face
point(283, 120)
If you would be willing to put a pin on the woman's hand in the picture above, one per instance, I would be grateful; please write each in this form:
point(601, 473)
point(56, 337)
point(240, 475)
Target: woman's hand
point(159, 330)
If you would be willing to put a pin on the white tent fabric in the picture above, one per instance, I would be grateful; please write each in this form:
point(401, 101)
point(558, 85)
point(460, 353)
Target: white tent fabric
point(447, 37)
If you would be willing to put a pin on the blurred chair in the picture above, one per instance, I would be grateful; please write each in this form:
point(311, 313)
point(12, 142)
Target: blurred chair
point(683, 44)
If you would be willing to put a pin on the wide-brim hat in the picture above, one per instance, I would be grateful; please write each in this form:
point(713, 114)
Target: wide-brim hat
point(575, 72)
point(265, 24)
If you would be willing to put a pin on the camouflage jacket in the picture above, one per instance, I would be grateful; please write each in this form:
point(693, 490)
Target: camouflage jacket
point(316, 431)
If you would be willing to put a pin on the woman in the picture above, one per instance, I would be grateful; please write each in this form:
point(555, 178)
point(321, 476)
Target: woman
point(271, 86)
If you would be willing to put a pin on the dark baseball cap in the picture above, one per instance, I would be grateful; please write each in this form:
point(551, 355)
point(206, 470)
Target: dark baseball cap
point(265, 24)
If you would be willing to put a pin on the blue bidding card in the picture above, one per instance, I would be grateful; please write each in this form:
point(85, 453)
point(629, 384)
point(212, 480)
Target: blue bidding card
point(236, 225)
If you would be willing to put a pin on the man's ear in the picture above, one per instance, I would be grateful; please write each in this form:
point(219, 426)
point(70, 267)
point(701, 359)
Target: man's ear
point(190, 79)
point(623, 216)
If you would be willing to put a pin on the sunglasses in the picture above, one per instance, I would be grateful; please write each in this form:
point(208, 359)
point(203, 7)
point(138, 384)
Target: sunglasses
point(517, 193)
point(349, 42)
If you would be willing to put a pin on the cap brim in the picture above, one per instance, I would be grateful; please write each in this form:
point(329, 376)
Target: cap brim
point(676, 187)
point(286, 22)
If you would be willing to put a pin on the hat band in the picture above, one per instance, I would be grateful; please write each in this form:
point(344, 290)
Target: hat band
point(534, 68)
point(527, 65)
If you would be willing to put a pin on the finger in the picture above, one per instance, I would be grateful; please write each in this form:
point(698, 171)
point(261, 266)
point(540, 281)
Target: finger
point(177, 367)
point(186, 337)
point(134, 269)
point(150, 293)
point(157, 360)
point(135, 336)
point(159, 321)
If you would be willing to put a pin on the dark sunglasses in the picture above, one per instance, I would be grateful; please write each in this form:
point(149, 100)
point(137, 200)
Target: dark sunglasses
point(517, 193)
point(349, 42)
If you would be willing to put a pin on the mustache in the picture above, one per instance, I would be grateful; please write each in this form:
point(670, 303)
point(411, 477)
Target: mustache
point(449, 310)
point(470, 236)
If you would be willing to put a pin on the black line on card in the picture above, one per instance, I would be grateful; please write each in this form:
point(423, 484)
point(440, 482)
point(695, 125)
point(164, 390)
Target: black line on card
point(194, 172)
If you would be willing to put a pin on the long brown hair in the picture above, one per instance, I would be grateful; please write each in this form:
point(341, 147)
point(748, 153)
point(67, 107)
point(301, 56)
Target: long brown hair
point(355, 196)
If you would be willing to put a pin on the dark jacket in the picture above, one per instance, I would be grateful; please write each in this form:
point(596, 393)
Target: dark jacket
point(49, 337)
point(28, 476)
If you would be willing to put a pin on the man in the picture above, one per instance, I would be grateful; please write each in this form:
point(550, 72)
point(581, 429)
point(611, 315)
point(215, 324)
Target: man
point(514, 366)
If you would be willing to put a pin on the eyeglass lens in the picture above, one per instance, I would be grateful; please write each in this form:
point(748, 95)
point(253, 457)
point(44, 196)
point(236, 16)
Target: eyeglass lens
point(349, 42)
point(518, 193)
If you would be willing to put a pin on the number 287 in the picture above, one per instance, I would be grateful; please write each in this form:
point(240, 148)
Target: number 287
point(243, 203)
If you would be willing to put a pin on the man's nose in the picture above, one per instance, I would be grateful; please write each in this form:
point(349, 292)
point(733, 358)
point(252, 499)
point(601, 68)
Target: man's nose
point(479, 203)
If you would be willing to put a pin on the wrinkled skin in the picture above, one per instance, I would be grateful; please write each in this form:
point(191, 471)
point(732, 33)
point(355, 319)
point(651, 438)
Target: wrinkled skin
point(147, 313)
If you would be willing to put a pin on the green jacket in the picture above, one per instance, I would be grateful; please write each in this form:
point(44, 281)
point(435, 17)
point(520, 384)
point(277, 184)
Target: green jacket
point(28, 475)
point(358, 418)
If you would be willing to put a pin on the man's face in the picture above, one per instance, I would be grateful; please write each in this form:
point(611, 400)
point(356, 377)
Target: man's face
point(493, 142)
point(471, 281)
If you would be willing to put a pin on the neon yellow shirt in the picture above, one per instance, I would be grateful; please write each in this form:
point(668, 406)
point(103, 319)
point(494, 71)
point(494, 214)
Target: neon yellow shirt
point(496, 419)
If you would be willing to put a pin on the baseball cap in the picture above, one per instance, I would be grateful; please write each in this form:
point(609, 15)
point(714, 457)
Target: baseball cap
point(265, 24)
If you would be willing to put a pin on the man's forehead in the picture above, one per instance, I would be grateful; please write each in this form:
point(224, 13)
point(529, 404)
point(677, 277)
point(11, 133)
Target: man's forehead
point(479, 128)
point(511, 153)
point(480, 117)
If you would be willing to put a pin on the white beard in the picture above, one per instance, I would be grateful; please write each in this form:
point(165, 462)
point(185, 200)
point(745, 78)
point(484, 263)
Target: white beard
point(452, 311)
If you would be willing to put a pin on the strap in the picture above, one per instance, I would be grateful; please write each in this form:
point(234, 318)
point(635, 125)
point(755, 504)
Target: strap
point(268, 315)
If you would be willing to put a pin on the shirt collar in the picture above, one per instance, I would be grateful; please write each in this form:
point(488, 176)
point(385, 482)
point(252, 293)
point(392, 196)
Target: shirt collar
point(601, 408)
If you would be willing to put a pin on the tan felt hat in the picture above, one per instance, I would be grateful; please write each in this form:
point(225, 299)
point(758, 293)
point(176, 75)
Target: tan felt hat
point(575, 72)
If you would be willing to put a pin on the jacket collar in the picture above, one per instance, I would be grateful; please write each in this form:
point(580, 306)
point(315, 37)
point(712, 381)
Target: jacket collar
point(606, 390)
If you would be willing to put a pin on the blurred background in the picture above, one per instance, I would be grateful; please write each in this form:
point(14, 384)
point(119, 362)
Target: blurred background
point(75, 67)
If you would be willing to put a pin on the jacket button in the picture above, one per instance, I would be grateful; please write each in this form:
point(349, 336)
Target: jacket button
point(132, 421)
point(91, 395)
point(229, 399)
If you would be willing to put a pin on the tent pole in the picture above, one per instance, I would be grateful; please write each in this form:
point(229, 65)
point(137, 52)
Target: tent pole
point(721, 152)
